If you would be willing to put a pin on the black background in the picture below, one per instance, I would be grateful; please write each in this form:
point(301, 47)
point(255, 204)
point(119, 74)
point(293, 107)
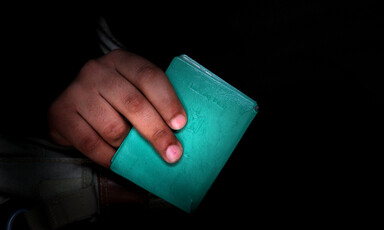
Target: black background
point(311, 155)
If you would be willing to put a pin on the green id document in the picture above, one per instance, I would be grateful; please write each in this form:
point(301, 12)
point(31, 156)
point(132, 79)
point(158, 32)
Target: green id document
point(218, 115)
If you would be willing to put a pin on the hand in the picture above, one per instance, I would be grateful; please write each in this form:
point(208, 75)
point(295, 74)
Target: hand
point(111, 93)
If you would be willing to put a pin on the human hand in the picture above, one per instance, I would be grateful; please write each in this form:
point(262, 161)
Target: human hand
point(111, 93)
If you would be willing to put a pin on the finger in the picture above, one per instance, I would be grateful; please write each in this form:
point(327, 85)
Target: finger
point(106, 121)
point(154, 84)
point(81, 135)
point(129, 101)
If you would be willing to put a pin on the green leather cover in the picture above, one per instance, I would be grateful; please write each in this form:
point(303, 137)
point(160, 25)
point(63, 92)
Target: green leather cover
point(218, 115)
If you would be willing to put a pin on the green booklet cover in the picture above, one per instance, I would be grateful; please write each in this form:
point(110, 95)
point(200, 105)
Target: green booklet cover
point(218, 115)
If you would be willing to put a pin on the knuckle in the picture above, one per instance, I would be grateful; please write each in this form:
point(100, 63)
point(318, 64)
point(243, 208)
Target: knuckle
point(134, 103)
point(148, 74)
point(90, 70)
point(116, 52)
point(91, 66)
point(114, 131)
point(160, 134)
point(89, 143)
point(112, 56)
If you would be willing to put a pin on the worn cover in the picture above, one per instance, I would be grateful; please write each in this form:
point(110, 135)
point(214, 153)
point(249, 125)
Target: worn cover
point(218, 115)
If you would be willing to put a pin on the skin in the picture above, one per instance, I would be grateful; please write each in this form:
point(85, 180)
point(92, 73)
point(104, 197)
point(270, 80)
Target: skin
point(109, 96)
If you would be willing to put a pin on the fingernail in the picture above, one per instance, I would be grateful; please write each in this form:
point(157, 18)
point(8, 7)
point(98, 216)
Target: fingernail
point(178, 122)
point(173, 153)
